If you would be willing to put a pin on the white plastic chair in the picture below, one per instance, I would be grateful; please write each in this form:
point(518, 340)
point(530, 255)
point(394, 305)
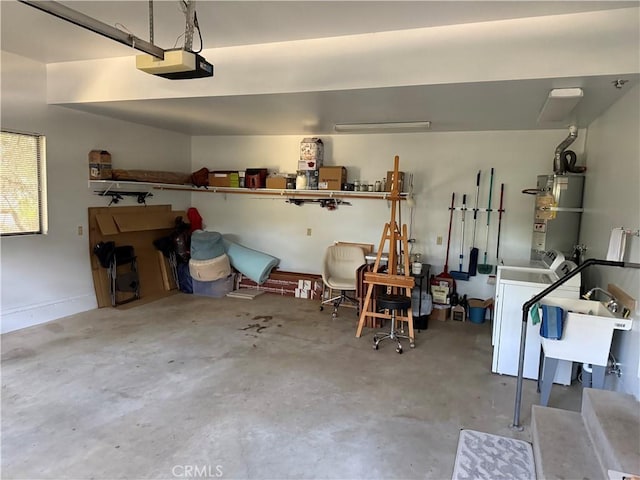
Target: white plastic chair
point(339, 273)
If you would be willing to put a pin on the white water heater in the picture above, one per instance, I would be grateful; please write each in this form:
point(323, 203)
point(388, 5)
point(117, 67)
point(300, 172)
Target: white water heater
point(557, 214)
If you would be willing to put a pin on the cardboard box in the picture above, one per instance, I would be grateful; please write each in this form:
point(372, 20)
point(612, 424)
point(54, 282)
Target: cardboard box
point(332, 178)
point(311, 154)
point(281, 182)
point(387, 186)
point(441, 289)
point(99, 165)
point(139, 227)
point(289, 284)
point(225, 178)
point(440, 312)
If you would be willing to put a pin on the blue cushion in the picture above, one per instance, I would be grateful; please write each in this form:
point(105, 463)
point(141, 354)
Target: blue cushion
point(251, 263)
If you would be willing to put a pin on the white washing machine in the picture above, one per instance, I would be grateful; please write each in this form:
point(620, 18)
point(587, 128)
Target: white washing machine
point(515, 284)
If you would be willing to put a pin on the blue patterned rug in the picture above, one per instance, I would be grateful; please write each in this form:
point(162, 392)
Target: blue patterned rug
point(492, 457)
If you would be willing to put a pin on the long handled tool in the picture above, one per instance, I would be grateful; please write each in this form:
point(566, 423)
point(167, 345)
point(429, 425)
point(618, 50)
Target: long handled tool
point(484, 267)
point(473, 254)
point(461, 275)
point(445, 272)
point(500, 210)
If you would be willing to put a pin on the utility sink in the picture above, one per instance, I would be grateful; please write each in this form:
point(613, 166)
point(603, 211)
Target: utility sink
point(588, 331)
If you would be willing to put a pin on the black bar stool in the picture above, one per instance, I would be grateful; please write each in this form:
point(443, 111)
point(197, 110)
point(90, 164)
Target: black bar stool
point(393, 303)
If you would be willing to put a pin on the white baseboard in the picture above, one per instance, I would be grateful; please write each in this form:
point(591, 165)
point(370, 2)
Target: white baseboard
point(29, 315)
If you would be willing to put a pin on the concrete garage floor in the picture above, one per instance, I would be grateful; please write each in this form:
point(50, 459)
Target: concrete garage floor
point(271, 388)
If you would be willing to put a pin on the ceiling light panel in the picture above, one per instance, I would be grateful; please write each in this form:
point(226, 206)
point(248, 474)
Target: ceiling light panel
point(386, 127)
point(559, 104)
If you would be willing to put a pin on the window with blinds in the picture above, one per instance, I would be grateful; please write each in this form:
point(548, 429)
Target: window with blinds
point(23, 209)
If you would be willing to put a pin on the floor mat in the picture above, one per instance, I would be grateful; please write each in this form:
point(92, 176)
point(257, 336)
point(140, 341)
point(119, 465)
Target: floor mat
point(486, 456)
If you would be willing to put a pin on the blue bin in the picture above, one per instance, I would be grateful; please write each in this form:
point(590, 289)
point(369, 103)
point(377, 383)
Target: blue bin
point(477, 314)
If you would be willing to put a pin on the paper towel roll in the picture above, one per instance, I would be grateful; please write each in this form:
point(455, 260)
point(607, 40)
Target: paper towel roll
point(617, 244)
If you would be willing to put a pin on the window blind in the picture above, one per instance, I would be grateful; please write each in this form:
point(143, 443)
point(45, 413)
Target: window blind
point(22, 184)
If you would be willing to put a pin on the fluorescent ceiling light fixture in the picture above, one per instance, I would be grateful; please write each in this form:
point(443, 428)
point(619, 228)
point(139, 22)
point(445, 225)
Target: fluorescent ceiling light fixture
point(382, 127)
point(559, 104)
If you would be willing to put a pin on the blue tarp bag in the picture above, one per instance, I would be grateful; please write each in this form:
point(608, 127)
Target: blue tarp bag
point(185, 283)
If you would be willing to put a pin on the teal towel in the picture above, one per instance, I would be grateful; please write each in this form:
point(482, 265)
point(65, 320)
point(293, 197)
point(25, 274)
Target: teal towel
point(534, 312)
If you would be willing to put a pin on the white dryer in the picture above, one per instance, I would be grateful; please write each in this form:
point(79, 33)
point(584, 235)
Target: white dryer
point(515, 284)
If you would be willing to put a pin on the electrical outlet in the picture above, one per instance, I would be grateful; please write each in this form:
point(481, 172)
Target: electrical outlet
point(80, 230)
point(439, 240)
point(308, 232)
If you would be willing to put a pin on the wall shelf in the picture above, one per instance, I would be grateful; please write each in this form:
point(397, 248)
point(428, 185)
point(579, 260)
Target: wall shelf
point(115, 185)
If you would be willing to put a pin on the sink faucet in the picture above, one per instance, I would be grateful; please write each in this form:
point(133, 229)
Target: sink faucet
point(612, 304)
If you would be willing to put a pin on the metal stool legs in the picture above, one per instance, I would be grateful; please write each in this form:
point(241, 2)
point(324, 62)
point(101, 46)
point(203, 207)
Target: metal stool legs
point(393, 303)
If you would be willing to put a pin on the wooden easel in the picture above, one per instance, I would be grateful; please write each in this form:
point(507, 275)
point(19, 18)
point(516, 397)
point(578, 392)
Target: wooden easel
point(391, 279)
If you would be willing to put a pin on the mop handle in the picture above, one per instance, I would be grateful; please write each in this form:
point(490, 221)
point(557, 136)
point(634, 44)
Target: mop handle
point(464, 211)
point(486, 247)
point(499, 222)
point(475, 209)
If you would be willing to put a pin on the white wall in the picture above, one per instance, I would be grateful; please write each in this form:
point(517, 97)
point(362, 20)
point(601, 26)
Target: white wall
point(44, 277)
point(612, 199)
point(441, 163)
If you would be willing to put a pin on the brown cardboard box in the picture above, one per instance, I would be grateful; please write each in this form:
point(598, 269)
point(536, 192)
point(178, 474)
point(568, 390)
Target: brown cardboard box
point(225, 178)
point(280, 182)
point(332, 178)
point(387, 186)
point(99, 165)
point(440, 312)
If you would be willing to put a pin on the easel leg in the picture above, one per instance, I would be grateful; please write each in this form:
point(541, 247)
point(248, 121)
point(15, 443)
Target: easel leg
point(412, 336)
point(365, 309)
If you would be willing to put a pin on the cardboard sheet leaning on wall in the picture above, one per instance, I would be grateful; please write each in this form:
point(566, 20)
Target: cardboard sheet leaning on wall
point(136, 226)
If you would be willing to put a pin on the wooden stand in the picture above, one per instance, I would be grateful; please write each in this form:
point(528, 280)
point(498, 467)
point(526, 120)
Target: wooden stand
point(393, 281)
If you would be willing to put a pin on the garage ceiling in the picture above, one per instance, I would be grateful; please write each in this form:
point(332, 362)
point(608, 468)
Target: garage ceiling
point(482, 106)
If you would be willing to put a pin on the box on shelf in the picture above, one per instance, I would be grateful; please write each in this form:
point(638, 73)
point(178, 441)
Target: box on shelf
point(255, 177)
point(389, 182)
point(332, 178)
point(99, 165)
point(280, 181)
point(311, 154)
point(224, 178)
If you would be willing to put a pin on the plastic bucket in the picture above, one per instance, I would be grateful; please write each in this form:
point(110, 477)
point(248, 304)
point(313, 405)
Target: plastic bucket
point(477, 314)
point(477, 310)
